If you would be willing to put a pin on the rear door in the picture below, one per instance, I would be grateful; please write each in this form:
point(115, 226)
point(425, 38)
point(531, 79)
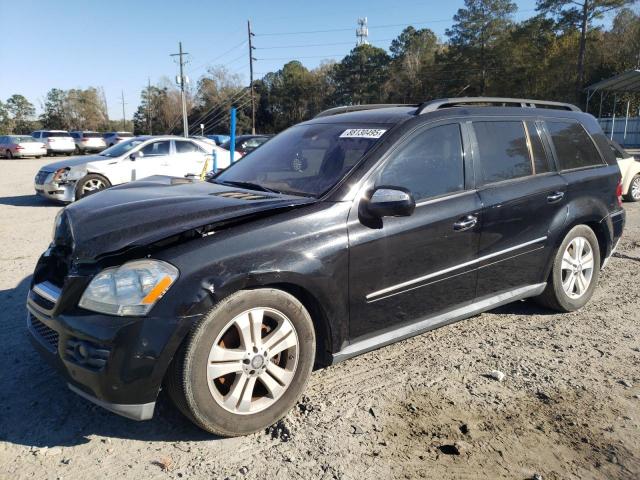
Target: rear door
point(188, 160)
point(407, 269)
point(523, 200)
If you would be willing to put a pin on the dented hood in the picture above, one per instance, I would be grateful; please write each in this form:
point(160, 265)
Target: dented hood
point(149, 210)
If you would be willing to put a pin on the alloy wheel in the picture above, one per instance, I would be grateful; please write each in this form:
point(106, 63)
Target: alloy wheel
point(577, 267)
point(635, 188)
point(253, 361)
point(92, 185)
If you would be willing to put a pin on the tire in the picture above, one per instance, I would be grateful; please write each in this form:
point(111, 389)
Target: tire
point(9, 155)
point(90, 184)
point(569, 297)
point(633, 194)
point(208, 399)
point(77, 151)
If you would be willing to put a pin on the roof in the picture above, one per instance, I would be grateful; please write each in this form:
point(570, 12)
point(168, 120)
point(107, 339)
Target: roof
point(625, 82)
point(391, 114)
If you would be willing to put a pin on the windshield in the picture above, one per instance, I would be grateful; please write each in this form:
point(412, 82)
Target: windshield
point(121, 148)
point(24, 139)
point(305, 159)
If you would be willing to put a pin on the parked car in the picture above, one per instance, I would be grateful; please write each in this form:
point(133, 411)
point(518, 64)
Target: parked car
point(247, 143)
point(113, 138)
point(87, 141)
point(133, 159)
point(630, 169)
point(356, 229)
point(221, 158)
point(55, 141)
point(219, 139)
point(20, 146)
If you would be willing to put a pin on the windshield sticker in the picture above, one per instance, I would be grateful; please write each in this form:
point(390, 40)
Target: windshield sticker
point(362, 133)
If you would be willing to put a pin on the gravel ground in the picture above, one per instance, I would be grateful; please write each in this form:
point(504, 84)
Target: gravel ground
point(567, 408)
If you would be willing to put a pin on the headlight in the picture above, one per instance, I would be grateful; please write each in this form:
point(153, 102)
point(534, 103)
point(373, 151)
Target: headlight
point(131, 289)
point(61, 174)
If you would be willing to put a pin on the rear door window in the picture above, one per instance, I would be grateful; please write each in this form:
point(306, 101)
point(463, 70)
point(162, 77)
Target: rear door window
point(429, 164)
point(502, 150)
point(573, 145)
point(182, 146)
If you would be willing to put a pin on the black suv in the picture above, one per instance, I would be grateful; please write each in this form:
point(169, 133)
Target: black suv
point(361, 227)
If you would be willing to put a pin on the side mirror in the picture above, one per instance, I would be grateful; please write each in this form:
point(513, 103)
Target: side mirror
point(388, 201)
point(136, 155)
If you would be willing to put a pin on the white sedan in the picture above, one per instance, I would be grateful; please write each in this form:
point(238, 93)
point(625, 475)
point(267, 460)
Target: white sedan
point(630, 170)
point(130, 160)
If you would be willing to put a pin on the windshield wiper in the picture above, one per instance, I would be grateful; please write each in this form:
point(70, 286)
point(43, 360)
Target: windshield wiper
point(248, 185)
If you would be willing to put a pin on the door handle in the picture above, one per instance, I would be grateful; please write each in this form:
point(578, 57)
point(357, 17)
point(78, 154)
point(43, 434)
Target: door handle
point(465, 223)
point(555, 197)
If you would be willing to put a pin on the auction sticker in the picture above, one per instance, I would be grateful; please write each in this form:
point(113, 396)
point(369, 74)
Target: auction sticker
point(362, 133)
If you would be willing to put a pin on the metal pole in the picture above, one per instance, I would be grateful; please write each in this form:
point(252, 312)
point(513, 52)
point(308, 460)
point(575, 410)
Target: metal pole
point(600, 110)
point(149, 105)
point(251, 59)
point(185, 124)
point(626, 122)
point(613, 120)
point(124, 127)
point(232, 141)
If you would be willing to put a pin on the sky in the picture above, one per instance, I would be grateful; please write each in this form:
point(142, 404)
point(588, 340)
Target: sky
point(119, 45)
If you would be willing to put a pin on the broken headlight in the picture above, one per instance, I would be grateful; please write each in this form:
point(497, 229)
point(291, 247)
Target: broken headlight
point(131, 289)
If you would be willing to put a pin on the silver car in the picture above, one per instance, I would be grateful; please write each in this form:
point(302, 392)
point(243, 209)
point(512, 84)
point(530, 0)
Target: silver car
point(133, 159)
point(88, 142)
point(56, 141)
point(20, 146)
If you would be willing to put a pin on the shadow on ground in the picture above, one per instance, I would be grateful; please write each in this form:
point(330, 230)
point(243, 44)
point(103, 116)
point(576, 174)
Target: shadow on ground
point(39, 410)
point(27, 201)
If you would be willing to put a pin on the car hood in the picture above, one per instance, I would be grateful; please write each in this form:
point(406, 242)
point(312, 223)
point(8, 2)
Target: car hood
point(143, 212)
point(75, 161)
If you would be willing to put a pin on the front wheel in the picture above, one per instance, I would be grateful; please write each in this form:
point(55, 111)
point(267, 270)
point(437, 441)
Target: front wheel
point(244, 366)
point(575, 272)
point(9, 155)
point(633, 194)
point(90, 184)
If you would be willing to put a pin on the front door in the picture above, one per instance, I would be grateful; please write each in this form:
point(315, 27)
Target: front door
point(155, 160)
point(407, 269)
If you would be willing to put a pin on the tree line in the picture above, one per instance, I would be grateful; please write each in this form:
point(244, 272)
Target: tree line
point(552, 55)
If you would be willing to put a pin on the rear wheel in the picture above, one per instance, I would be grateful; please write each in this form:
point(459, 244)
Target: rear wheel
point(633, 194)
point(9, 155)
point(90, 184)
point(575, 272)
point(245, 365)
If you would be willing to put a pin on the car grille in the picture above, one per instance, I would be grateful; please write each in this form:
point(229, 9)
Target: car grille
point(41, 177)
point(47, 336)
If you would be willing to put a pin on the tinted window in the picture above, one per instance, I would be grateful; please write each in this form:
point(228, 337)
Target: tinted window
point(502, 150)
point(540, 158)
point(156, 148)
point(91, 135)
point(305, 159)
point(55, 134)
point(125, 134)
point(185, 147)
point(574, 147)
point(428, 164)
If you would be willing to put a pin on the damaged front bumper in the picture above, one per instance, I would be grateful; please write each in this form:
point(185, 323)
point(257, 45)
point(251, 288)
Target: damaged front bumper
point(45, 186)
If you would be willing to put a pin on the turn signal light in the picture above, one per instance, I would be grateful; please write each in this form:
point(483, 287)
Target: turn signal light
point(619, 193)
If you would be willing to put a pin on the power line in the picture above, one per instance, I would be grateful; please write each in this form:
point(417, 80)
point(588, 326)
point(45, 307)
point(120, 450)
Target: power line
point(230, 98)
point(209, 62)
point(305, 45)
point(222, 113)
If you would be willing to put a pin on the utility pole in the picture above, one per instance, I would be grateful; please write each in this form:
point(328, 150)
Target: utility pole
point(182, 80)
point(124, 125)
point(149, 105)
point(251, 59)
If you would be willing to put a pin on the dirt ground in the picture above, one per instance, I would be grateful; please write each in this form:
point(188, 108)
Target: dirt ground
point(568, 408)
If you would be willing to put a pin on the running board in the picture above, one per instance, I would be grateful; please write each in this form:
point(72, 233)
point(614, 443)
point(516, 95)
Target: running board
point(407, 331)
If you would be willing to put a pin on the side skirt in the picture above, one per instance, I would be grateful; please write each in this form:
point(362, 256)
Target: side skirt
point(407, 331)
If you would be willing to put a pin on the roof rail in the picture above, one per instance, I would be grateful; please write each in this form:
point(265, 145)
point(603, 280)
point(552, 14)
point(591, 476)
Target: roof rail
point(434, 105)
point(357, 108)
